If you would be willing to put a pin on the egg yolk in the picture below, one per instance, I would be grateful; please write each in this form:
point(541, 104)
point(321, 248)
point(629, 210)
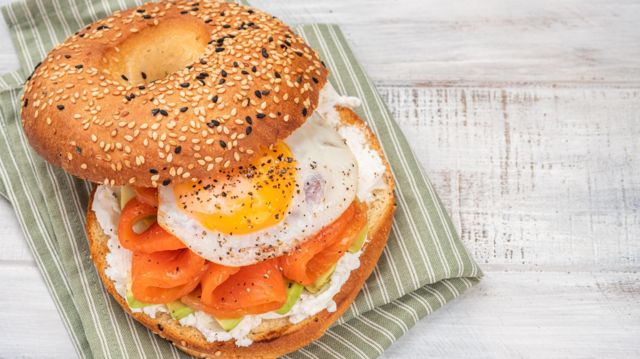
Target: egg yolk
point(245, 199)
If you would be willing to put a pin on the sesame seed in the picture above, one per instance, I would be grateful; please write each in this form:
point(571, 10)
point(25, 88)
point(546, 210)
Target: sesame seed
point(153, 171)
point(168, 132)
point(166, 182)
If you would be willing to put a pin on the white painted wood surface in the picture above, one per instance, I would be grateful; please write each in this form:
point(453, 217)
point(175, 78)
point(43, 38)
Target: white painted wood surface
point(526, 117)
point(470, 41)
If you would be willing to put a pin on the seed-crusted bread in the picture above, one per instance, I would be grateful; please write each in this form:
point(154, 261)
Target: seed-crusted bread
point(274, 337)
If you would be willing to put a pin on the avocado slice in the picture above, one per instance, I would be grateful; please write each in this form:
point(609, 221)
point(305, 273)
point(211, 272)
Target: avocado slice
point(293, 294)
point(126, 194)
point(134, 303)
point(178, 310)
point(359, 242)
point(321, 281)
point(229, 324)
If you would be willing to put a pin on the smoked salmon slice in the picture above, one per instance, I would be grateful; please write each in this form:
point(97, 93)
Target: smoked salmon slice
point(162, 277)
point(164, 270)
point(215, 275)
point(147, 195)
point(153, 239)
point(318, 254)
point(228, 292)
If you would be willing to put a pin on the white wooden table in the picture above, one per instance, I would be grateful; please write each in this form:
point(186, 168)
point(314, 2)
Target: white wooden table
point(526, 116)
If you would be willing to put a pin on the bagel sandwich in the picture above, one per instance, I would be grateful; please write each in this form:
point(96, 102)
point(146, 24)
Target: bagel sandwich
point(239, 202)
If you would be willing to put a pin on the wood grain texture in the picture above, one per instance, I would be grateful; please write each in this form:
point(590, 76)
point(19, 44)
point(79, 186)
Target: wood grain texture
point(31, 327)
point(490, 41)
point(532, 176)
point(422, 42)
point(533, 314)
point(519, 314)
point(525, 115)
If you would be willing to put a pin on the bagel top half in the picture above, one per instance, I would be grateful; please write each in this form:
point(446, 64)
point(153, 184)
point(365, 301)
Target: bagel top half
point(168, 92)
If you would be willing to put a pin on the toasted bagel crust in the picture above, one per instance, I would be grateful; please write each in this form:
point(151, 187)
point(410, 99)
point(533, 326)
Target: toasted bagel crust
point(249, 80)
point(277, 337)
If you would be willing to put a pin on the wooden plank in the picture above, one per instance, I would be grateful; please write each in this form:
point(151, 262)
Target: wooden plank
point(510, 314)
point(533, 176)
point(474, 42)
point(480, 42)
point(13, 247)
point(528, 130)
point(31, 326)
point(533, 315)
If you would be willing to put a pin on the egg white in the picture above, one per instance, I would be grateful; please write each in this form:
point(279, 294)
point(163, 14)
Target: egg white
point(327, 180)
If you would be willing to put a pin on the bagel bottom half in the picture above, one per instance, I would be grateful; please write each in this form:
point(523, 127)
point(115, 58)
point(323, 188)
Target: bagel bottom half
point(274, 337)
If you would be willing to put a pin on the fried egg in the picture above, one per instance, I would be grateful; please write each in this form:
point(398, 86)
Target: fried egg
point(265, 209)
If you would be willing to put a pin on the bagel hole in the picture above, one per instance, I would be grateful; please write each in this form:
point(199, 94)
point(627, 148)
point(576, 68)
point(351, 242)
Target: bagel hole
point(157, 52)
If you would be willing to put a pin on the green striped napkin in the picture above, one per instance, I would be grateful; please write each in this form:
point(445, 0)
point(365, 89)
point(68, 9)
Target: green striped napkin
point(423, 266)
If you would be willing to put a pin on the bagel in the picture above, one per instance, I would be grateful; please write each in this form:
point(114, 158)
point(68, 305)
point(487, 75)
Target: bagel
point(273, 337)
point(168, 92)
point(235, 184)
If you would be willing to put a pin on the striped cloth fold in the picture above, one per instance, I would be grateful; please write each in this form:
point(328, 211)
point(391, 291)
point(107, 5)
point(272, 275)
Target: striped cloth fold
point(423, 266)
